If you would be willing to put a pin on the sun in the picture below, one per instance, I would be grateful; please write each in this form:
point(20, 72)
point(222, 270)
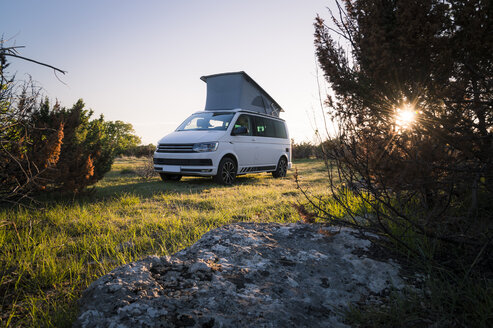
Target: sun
point(405, 117)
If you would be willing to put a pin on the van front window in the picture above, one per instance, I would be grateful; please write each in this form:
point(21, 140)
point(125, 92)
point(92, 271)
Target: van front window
point(206, 121)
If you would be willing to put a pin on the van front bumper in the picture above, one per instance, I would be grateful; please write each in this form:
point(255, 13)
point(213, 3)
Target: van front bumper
point(185, 166)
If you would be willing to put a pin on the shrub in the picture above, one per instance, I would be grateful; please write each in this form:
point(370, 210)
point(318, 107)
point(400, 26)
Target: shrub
point(139, 151)
point(86, 153)
point(45, 147)
point(146, 169)
point(302, 150)
point(28, 151)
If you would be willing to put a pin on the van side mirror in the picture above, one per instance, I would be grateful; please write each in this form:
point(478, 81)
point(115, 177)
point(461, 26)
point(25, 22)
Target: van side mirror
point(240, 130)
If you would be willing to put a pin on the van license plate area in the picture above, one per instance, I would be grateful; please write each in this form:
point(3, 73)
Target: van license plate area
point(172, 168)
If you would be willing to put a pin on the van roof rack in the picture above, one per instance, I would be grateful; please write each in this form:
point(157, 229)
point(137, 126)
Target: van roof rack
point(226, 91)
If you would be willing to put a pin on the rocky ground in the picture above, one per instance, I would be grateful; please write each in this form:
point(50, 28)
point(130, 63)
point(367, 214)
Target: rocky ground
point(244, 275)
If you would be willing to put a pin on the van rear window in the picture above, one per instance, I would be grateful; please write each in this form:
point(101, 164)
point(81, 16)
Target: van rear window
point(280, 130)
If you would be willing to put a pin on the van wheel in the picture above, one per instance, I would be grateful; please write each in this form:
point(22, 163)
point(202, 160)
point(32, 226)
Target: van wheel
point(226, 172)
point(170, 177)
point(282, 168)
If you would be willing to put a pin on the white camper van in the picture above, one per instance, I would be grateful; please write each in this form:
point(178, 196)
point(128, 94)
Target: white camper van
point(239, 132)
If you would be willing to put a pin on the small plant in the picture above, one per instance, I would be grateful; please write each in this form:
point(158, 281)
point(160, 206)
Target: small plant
point(146, 170)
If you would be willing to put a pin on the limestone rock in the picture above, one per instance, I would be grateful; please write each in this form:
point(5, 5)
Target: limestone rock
point(243, 275)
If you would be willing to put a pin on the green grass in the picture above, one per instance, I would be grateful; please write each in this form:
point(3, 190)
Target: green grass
point(50, 255)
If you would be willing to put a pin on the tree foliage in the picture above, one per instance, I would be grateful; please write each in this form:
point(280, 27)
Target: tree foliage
point(139, 151)
point(121, 136)
point(45, 147)
point(26, 152)
point(432, 176)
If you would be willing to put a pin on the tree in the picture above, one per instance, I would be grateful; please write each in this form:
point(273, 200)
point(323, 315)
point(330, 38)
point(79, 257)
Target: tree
point(27, 151)
point(121, 136)
point(46, 148)
point(429, 59)
point(88, 146)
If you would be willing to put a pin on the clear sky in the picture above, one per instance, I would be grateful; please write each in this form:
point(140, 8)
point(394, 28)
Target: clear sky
point(140, 61)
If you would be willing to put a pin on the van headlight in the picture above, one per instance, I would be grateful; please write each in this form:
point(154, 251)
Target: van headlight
point(205, 147)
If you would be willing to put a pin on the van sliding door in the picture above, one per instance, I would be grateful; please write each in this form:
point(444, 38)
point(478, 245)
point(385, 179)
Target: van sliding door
point(267, 146)
point(244, 145)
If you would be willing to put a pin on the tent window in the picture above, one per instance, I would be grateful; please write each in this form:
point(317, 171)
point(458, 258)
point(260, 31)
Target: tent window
point(258, 101)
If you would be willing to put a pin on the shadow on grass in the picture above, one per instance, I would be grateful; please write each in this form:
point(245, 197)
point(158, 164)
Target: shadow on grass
point(119, 182)
point(119, 185)
point(148, 189)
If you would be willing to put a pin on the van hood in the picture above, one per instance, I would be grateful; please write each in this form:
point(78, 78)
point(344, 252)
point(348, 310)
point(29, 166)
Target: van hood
point(192, 136)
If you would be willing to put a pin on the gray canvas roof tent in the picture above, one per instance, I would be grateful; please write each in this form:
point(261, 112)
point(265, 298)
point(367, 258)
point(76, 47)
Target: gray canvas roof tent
point(238, 90)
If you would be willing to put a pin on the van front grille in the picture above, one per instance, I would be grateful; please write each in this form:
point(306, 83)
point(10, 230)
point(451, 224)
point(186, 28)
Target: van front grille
point(175, 148)
point(183, 161)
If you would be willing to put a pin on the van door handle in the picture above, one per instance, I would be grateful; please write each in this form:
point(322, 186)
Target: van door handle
point(253, 139)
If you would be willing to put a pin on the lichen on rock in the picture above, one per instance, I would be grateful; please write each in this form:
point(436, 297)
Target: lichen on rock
point(243, 275)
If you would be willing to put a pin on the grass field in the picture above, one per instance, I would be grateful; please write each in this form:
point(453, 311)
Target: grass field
point(50, 254)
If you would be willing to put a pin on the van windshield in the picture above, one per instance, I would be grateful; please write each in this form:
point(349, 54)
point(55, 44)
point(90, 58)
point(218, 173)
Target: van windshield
point(206, 121)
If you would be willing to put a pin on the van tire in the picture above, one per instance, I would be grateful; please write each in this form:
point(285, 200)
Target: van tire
point(226, 171)
point(282, 168)
point(170, 177)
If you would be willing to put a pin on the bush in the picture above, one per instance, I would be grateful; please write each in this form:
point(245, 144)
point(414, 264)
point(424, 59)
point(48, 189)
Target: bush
point(45, 147)
point(146, 169)
point(54, 148)
point(28, 151)
point(86, 154)
point(303, 150)
point(139, 151)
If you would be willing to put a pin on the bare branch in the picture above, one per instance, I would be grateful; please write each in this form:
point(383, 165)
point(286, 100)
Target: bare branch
point(35, 61)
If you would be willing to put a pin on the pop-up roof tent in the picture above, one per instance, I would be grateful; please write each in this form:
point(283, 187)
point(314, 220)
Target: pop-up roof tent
point(238, 90)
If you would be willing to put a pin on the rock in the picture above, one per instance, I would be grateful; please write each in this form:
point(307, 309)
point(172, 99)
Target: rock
point(243, 275)
point(199, 266)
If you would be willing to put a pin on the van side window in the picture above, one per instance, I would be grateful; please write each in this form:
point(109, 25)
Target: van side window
point(260, 127)
point(245, 121)
point(265, 127)
point(270, 130)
